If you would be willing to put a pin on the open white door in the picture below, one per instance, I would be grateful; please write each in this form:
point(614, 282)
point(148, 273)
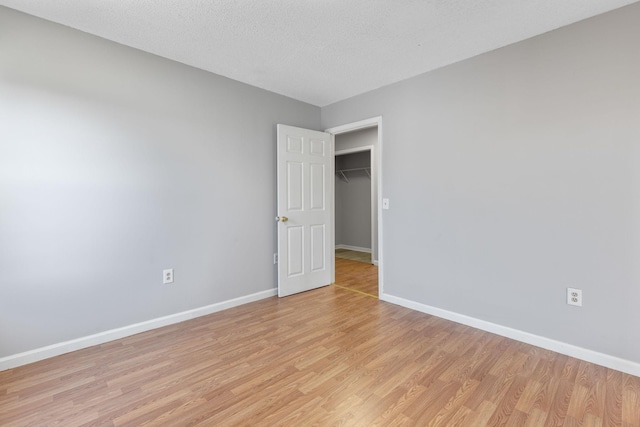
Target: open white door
point(305, 209)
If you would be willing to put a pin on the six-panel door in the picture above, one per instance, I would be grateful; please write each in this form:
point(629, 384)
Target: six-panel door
point(305, 199)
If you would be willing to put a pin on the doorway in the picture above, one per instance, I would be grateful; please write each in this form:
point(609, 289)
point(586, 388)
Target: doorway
point(305, 206)
point(357, 212)
point(355, 215)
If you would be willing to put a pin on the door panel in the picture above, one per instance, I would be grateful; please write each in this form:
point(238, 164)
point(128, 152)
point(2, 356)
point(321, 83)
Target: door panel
point(318, 195)
point(318, 243)
point(305, 209)
point(295, 254)
point(317, 147)
point(294, 186)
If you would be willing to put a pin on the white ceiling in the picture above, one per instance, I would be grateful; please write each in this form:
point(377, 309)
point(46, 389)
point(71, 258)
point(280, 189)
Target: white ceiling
point(318, 51)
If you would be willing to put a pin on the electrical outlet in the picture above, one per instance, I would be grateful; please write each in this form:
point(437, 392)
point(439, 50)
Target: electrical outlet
point(167, 276)
point(574, 297)
point(385, 203)
point(275, 258)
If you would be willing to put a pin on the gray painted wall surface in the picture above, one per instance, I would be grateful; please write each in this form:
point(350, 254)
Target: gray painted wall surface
point(362, 138)
point(353, 201)
point(514, 175)
point(116, 164)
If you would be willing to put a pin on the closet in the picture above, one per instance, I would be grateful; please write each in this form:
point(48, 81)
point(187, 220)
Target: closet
point(353, 193)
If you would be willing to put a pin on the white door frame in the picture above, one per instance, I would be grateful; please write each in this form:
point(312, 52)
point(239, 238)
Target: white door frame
point(372, 153)
point(349, 127)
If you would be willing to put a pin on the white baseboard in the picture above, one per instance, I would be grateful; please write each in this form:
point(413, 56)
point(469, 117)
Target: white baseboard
point(374, 262)
point(354, 248)
point(591, 356)
point(37, 354)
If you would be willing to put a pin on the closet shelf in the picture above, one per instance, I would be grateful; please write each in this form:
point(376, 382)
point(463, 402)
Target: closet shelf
point(342, 173)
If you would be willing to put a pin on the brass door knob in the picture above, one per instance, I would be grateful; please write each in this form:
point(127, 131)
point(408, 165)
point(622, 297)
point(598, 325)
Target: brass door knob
point(282, 218)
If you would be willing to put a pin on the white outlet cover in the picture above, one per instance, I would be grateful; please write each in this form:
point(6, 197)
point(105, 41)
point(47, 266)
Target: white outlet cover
point(167, 276)
point(574, 297)
point(385, 203)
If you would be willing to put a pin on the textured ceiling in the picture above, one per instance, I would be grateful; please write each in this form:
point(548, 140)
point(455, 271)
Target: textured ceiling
point(318, 51)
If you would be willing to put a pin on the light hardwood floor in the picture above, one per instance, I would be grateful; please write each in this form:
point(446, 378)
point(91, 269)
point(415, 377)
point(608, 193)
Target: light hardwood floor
point(325, 357)
point(357, 276)
point(353, 255)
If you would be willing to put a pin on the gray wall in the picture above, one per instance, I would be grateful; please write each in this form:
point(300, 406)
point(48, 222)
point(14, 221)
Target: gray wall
point(116, 164)
point(353, 201)
point(362, 138)
point(514, 175)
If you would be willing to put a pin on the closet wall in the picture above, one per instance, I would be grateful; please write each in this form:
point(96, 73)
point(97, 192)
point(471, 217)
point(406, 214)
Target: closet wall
point(353, 200)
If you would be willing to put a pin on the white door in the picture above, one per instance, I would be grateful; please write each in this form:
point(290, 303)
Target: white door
point(305, 210)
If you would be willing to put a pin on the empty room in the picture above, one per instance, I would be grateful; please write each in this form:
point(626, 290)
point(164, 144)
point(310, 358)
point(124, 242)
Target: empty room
point(172, 233)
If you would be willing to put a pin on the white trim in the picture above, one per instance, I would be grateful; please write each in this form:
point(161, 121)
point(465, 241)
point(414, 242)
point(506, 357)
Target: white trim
point(363, 124)
point(354, 248)
point(332, 217)
point(373, 189)
point(53, 350)
point(591, 356)
point(380, 246)
point(354, 150)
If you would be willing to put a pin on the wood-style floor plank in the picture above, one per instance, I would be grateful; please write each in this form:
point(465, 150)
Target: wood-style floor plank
point(354, 255)
point(326, 357)
point(358, 276)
